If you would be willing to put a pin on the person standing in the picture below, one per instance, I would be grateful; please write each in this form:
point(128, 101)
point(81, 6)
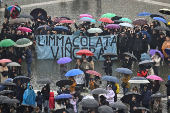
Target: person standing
point(155, 87)
point(63, 71)
point(20, 91)
point(125, 84)
point(127, 62)
point(28, 57)
point(45, 94)
point(39, 100)
point(92, 64)
point(110, 95)
point(134, 104)
point(157, 59)
point(146, 96)
point(51, 100)
point(7, 12)
point(108, 66)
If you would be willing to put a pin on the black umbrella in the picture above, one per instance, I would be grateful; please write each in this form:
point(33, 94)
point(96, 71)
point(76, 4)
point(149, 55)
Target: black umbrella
point(6, 92)
point(65, 17)
point(118, 105)
point(139, 110)
point(105, 109)
point(17, 21)
point(62, 83)
point(117, 21)
point(36, 11)
point(22, 79)
point(126, 53)
point(165, 11)
point(10, 101)
point(70, 110)
point(26, 16)
point(162, 28)
point(116, 18)
point(111, 55)
point(44, 81)
point(21, 108)
point(99, 91)
point(8, 84)
point(89, 103)
point(156, 15)
point(158, 95)
point(127, 98)
point(2, 98)
point(146, 62)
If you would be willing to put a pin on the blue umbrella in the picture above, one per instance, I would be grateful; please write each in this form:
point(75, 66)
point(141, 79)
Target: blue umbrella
point(61, 96)
point(160, 19)
point(167, 50)
point(85, 20)
point(145, 56)
point(110, 78)
point(73, 72)
point(144, 14)
point(92, 20)
point(61, 28)
point(124, 70)
point(7, 80)
point(22, 79)
point(11, 7)
point(147, 34)
point(64, 60)
point(42, 27)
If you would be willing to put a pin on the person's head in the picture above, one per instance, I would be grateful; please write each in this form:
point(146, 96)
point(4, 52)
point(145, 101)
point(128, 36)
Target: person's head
point(78, 60)
point(18, 32)
point(108, 57)
point(135, 89)
point(26, 109)
point(84, 60)
point(62, 65)
point(5, 6)
point(44, 88)
point(144, 36)
point(158, 101)
point(3, 64)
point(145, 87)
point(154, 31)
point(156, 82)
point(19, 82)
point(67, 87)
point(157, 53)
point(90, 58)
point(26, 48)
point(83, 56)
point(123, 34)
point(143, 110)
point(133, 98)
point(39, 93)
point(92, 111)
point(167, 39)
point(127, 56)
point(63, 88)
point(30, 86)
point(110, 87)
point(137, 35)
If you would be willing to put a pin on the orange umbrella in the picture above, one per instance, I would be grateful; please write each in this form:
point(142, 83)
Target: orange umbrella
point(86, 52)
point(107, 20)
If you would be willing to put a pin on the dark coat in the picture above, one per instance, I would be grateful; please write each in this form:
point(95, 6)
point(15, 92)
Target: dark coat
point(155, 88)
point(146, 96)
point(125, 64)
point(108, 66)
point(20, 92)
point(137, 46)
point(168, 88)
point(7, 13)
point(133, 104)
point(120, 111)
point(154, 41)
point(28, 56)
point(45, 94)
point(39, 99)
point(145, 44)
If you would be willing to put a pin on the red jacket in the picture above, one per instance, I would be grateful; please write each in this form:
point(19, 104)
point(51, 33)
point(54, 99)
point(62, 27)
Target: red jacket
point(51, 100)
point(13, 16)
point(142, 73)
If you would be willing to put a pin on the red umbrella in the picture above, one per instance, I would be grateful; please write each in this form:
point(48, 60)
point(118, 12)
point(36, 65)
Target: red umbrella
point(57, 20)
point(86, 52)
point(93, 72)
point(66, 21)
point(107, 20)
point(5, 60)
point(24, 29)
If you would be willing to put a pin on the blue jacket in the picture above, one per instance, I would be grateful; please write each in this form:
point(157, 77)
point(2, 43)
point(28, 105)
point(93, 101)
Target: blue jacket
point(39, 98)
point(146, 96)
point(29, 96)
point(28, 56)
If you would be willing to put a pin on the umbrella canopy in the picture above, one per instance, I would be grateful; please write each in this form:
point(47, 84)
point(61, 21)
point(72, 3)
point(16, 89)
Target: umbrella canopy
point(67, 21)
point(93, 73)
point(168, 23)
point(131, 55)
point(140, 21)
point(6, 92)
point(111, 55)
point(162, 28)
point(105, 109)
point(22, 79)
point(26, 16)
point(125, 24)
point(99, 91)
point(110, 78)
point(2, 98)
point(25, 29)
point(146, 62)
point(44, 81)
point(165, 11)
point(64, 60)
point(7, 80)
point(6, 43)
point(117, 21)
point(94, 30)
point(21, 108)
point(23, 42)
point(13, 64)
point(85, 15)
point(127, 98)
point(116, 18)
point(154, 77)
point(153, 51)
point(138, 80)
point(88, 97)
point(139, 110)
point(167, 50)
point(89, 103)
point(10, 101)
point(36, 11)
point(69, 110)
point(108, 15)
point(62, 83)
point(91, 20)
point(112, 26)
point(124, 70)
point(118, 105)
point(8, 84)
point(17, 21)
point(86, 52)
point(13, 7)
point(65, 17)
point(43, 27)
point(85, 20)
point(63, 110)
point(144, 14)
point(145, 56)
point(158, 95)
point(57, 20)
point(61, 96)
point(107, 20)
point(125, 20)
point(156, 15)
point(73, 72)
point(60, 28)
point(5, 60)
point(160, 19)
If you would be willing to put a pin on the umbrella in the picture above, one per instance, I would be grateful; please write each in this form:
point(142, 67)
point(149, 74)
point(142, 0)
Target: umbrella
point(13, 64)
point(43, 27)
point(146, 62)
point(7, 80)
point(154, 77)
point(111, 55)
point(116, 18)
point(66, 21)
point(69, 110)
point(145, 56)
point(61, 96)
point(140, 21)
point(8, 84)
point(17, 21)
point(13, 7)
point(158, 95)
point(156, 15)
point(2, 98)
point(125, 20)
point(22, 79)
point(117, 21)
point(124, 70)
point(112, 26)
point(23, 42)
point(6, 92)
point(144, 14)
point(65, 17)
point(168, 23)
point(57, 20)
point(165, 11)
point(139, 110)
point(153, 51)
point(127, 98)
point(108, 15)
point(99, 91)
point(64, 60)
point(167, 50)
point(85, 20)
point(89, 103)
point(88, 97)
point(10, 101)
point(110, 78)
point(80, 79)
point(44, 81)
point(25, 29)
point(160, 19)
point(105, 109)
point(125, 24)
point(61, 28)
point(73, 72)
point(86, 52)
point(138, 80)
point(36, 11)
point(94, 30)
point(129, 54)
point(6, 43)
point(118, 105)
point(85, 15)
point(91, 20)
point(21, 108)
point(93, 73)
point(5, 60)
point(107, 20)
point(147, 34)
point(62, 83)
point(26, 16)
point(162, 28)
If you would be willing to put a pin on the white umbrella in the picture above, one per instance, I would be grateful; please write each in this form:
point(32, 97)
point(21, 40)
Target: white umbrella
point(94, 30)
point(13, 64)
point(125, 24)
point(138, 80)
point(88, 97)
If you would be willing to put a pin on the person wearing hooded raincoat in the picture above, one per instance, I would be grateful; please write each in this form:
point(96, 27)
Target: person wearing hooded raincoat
point(29, 96)
point(110, 95)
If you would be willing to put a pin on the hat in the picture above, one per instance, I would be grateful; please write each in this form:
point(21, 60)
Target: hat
point(67, 86)
point(169, 77)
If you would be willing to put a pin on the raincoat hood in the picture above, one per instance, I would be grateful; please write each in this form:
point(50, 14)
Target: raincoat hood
point(51, 94)
point(28, 86)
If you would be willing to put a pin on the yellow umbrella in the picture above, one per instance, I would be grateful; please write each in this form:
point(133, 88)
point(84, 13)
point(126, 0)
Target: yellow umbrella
point(168, 23)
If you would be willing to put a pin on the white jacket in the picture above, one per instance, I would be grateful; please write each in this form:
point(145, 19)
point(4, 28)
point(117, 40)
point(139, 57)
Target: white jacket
point(156, 59)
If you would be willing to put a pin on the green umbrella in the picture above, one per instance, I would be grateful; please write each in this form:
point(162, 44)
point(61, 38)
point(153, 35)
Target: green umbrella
point(23, 42)
point(7, 43)
point(108, 15)
point(125, 19)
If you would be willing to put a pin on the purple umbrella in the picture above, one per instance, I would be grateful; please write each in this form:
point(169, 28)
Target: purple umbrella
point(140, 21)
point(112, 26)
point(85, 20)
point(64, 60)
point(153, 51)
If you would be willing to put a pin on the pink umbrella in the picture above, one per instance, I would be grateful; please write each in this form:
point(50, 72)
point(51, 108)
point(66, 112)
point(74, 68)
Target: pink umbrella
point(154, 77)
point(5, 60)
point(24, 29)
point(85, 15)
point(93, 72)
